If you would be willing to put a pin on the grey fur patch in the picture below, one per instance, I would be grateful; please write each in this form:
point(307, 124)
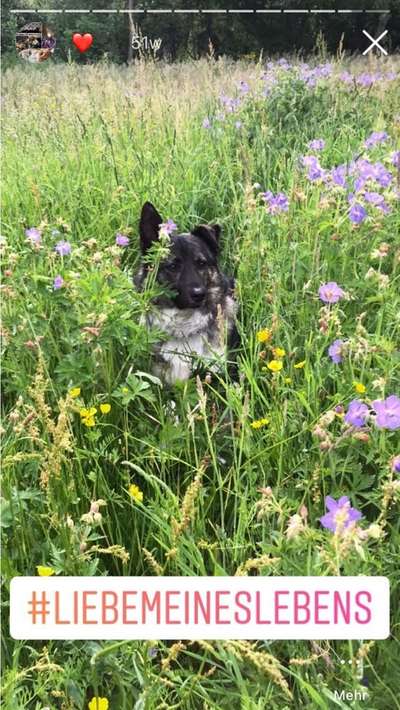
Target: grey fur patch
point(192, 334)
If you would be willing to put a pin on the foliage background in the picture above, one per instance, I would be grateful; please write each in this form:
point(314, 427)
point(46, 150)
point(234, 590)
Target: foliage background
point(85, 145)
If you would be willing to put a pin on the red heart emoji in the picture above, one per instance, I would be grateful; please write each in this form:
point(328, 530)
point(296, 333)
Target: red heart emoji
point(82, 42)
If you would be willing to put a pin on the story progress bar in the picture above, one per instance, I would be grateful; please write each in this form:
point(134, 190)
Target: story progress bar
point(46, 11)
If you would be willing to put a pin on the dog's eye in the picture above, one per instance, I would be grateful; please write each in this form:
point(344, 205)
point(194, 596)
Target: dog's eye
point(172, 265)
point(201, 263)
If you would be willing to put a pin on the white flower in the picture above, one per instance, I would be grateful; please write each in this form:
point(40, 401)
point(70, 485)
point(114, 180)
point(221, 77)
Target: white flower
point(295, 526)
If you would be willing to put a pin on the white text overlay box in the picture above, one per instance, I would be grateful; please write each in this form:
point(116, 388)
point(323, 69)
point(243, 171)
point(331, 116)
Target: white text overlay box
point(199, 608)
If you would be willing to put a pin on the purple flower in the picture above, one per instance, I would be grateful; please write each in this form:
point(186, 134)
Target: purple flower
point(317, 144)
point(315, 173)
point(279, 203)
point(314, 169)
point(330, 292)
point(339, 175)
point(357, 213)
point(358, 185)
point(374, 198)
point(395, 464)
point(58, 282)
point(62, 247)
point(121, 240)
point(364, 168)
point(34, 235)
point(375, 138)
point(396, 158)
point(275, 203)
point(238, 124)
point(168, 227)
point(356, 413)
point(230, 104)
point(267, 196)
point(310, 161)
point(206, 123)
point(366, 80)
point(382, 176)
point(335, 351)
point(244, 87)
point(387, 412)
point(346, 77)
point(384, 207)
point(340, 514)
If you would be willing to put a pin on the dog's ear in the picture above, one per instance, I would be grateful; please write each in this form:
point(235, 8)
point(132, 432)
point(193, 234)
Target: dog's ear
point(149, 224)
point(210, 235)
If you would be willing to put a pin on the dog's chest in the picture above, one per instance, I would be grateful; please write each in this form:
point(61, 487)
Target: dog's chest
point(191, 334)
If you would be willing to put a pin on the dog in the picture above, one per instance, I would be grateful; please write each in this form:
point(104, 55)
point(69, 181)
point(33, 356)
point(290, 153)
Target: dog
point(198, 311)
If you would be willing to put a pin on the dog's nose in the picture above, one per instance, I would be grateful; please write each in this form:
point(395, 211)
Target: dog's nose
point(197, 293)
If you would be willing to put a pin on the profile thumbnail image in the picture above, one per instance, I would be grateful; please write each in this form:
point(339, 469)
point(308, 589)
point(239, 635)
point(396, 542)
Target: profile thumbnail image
point(35, 42)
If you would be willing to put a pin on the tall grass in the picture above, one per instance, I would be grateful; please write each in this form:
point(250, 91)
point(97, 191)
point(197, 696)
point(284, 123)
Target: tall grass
point(84, 148)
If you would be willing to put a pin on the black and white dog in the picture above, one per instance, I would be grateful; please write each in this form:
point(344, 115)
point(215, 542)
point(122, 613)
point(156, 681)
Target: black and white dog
point(198, 312)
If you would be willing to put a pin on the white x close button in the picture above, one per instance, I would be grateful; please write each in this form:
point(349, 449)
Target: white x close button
point(375, 42)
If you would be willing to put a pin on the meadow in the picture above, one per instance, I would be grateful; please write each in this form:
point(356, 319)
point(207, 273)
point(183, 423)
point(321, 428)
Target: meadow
point(108, 472)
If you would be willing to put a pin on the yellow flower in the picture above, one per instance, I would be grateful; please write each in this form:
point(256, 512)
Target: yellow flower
point(88, 412)
point(359, 387)
point(299, 365)
point(264, 335)
point(135, 493)
point(287, 380)
point(125, 390)
point(259, 423)
point(278, 352)
point(44, 571)
point(88, 421)
point(74, 392)
point(275, 365)
point(98, 704)
point(105, 408)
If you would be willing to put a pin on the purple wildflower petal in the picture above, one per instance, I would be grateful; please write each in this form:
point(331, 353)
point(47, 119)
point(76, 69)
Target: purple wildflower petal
point(121, 240)
point(357, 413)
point(58, 282)
point(330, 292)
point(375, 138)
point(357, 213)
point(354, 515)
point(396, 158)
point(330, 503)
point(335, 351)
point(169, 226)
point(387, 412)
point(396, 464)
point(317, 144)
point(340, 514)
point(327, 521)
point(63, 248)
point(34, 235)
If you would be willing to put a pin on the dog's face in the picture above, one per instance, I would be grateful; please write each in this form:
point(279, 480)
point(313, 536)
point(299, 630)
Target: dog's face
point(191, 270)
